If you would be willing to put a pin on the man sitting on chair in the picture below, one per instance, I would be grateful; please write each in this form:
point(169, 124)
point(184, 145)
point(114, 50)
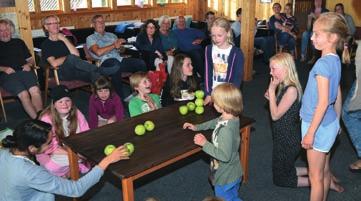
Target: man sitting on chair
point(16, 75)
point(103, 47)
point(61, 53)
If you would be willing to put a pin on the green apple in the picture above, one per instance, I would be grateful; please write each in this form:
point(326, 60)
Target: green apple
point(109, 149)
point(183, 110)
point(199, 94)
point(199, 102)
point(130, 147)
point(149, 125)
point(139, 129)
point(191, 106)
point(199, 110)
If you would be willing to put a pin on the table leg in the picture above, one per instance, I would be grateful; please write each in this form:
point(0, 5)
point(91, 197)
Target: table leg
point(128, 190)
point(244, 151)
point(73, 165)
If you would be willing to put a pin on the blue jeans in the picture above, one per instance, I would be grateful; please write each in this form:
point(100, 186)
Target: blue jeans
point(352, 121)
point(265, 43)
point(285, 39)
point(306, 36)
point(228, 192)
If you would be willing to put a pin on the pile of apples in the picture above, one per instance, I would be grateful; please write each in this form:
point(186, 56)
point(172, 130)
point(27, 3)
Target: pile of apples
point(196, 106)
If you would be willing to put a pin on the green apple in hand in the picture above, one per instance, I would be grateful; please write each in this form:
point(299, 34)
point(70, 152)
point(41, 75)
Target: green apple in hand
point(139, 129)
point(199, 102)
point(109, 149)
point(199, 110)
point(199, 94)
point(149, 125)
point(191, 106)
point(130, 147)
point(183, 110)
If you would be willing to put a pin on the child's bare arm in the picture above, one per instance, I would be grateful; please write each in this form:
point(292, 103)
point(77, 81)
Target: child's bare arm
point(189, 126)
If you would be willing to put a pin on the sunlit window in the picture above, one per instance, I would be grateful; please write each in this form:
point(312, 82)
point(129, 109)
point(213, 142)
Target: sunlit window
point(213, 4)
point(75, 4)
point(31, 5)
point(49, 5)
point(99, 3)
point(162, 1)
point(177, 1)
point(124, 2)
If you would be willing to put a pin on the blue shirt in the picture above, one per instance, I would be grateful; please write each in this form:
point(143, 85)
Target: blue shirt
point(328, 66)
point(185, 38)
point(21, 179)
point(169, 41)
point(103, 41)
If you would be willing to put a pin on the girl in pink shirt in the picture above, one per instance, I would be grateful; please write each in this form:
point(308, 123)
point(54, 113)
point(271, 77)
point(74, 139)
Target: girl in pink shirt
point(66, 120)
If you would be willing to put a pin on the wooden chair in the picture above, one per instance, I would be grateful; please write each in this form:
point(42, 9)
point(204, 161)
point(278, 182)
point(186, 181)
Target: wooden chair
point(6, 96)
point(52, 79)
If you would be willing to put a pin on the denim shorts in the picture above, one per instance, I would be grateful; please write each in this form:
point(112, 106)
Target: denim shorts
point(325, 136)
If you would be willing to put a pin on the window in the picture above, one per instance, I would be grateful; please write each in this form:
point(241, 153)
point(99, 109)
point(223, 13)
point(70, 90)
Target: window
point(213, 4)
point(124, 2)
point(75, 4)
point(46, 5)
point(99, 3)
point(177, 1)
point(162, 1)
point(31, 6)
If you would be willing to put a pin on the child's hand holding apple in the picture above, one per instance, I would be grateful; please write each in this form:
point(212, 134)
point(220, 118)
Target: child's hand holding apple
point(189, 126)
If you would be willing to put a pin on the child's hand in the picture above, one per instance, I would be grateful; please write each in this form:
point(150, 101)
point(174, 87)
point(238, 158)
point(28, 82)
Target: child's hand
point(120, 153)
point(189, 126)
point(273, 84)
point(207, 100)
point(199, 139)
point(307, 141)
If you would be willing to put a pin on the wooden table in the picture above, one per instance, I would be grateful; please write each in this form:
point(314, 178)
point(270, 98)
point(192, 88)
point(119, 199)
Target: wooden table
point(167, 144)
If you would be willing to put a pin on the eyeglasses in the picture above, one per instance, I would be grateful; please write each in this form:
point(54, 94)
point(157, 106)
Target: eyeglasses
point(52, 23)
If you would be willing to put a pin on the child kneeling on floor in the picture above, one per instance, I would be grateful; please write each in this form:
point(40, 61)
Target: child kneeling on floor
point(226, 171)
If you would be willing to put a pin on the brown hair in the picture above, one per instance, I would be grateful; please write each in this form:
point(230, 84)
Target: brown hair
point(57, 122)
point(136, 78)
point(101, 83)
point(229, 98)
point(336, 24)
point(176, 77)
point(95, 17)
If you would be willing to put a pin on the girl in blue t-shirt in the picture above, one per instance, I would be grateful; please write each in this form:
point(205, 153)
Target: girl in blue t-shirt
point(321, 103)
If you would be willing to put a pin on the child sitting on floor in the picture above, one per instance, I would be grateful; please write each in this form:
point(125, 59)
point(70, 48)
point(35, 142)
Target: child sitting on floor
point(105, 106)
point(144, 101)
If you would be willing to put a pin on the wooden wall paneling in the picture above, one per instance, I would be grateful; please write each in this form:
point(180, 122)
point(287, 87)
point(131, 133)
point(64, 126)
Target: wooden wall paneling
point(23, 17)
point(247, 39)
point(302, 8)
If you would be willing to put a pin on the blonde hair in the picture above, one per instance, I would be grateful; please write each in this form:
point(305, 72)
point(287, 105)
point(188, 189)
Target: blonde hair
point(229, 98)
point(285, 60)
point(224, 23)
point(335, 23)
point(136, 78)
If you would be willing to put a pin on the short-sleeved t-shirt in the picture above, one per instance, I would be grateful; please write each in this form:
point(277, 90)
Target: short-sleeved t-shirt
point(328, 66)
point(103, 41)
point(14, 53)
point(220, 64)
point(55, 49)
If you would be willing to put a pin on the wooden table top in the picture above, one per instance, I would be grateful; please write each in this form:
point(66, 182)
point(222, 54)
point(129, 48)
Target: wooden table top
point(168, 140)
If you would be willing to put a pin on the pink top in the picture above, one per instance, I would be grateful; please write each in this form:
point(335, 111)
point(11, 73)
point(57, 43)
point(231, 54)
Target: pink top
point(46, 159)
